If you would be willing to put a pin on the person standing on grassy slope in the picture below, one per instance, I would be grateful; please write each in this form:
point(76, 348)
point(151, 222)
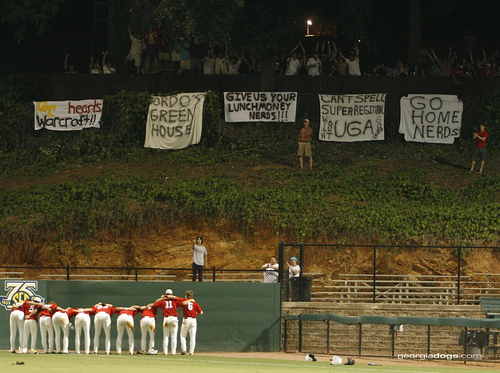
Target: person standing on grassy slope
point(305, 138)
point(480, 153)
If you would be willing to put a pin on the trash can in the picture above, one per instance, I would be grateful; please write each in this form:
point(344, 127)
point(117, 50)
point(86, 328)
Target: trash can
point(301, 289)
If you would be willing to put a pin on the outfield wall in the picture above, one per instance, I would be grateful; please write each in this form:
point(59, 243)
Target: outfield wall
point(237, 317)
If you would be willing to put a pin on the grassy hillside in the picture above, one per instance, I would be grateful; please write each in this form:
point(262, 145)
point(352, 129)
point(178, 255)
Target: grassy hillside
point(63, 195)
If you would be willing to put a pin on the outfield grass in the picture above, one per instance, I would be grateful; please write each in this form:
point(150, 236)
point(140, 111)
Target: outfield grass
point(197, 363)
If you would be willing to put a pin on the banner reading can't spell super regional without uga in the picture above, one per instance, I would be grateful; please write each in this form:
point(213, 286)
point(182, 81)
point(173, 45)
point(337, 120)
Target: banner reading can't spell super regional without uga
point(68, 115)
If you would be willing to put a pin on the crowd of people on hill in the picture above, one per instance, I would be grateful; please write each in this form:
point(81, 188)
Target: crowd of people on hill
point(152, 50)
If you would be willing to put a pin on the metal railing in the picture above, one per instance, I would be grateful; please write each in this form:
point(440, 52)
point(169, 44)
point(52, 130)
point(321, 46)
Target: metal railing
point(392, 273)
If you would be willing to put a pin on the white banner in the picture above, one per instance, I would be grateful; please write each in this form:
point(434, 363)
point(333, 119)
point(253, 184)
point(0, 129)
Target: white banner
point(350, 118)
point(431, 118)
point(260, 106)
point(67, 115)
point(174, 122)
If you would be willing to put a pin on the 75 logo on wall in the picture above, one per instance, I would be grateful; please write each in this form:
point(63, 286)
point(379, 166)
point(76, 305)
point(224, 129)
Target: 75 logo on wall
point(18, 292)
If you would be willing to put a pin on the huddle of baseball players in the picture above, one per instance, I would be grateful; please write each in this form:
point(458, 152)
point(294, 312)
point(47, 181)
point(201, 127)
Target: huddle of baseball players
point(53, 320)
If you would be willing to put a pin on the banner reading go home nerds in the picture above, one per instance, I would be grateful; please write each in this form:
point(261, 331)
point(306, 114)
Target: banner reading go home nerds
point(349, 118)
point(174, 122)
point(68, 115)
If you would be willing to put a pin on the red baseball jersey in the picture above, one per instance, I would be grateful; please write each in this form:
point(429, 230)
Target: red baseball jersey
point(76, 311)
point(28, 309)
point(48, 312)
point(169, 306)
point(149, 311)
point(132, 312)
point(191, 309)
point(16, 307)
point(107, 309)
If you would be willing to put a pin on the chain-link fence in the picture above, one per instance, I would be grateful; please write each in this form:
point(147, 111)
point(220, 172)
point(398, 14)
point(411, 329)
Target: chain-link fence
point(390, 273)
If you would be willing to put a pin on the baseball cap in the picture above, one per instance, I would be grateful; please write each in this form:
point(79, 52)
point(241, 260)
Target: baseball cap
point(306, 120)
point(37, 299)
point(169, 292)
point(293, 258)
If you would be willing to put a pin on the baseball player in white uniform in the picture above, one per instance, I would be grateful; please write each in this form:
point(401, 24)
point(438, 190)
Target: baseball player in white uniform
point(46, 327)
point(16, 322)
point(169, 303)
point(148, 327)
point(190, 311)
point(125, 321)
point(102, 320)
point(30, 309)
point(82, 322)
point(60, 320)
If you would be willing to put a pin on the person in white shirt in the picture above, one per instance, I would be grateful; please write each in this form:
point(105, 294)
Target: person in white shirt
point(271, 270)
point(353, 61)
point(314, 65)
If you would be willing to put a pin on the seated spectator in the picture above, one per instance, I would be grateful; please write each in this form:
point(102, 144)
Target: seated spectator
point(401, 69)
point(94, 67)
point(69, 69)
point(106, 65)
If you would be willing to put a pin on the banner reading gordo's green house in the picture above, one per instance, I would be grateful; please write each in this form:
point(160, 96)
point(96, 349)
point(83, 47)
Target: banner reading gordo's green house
point(174, 122)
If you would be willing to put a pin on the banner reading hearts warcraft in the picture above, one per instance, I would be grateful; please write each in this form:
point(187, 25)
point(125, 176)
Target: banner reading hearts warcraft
point(431, 118)
point(174, 122)
point(68, 115)
point(350, 118)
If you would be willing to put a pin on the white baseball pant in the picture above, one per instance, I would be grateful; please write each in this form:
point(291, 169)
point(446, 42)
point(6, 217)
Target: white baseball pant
point(16, 322)
point(30, 329)
point(47, 329)
point(82, 321)
point(102, 320)
point(148, 326)
point(188, 326)
point(170, 327)
point(125, 322)
point(61, 322)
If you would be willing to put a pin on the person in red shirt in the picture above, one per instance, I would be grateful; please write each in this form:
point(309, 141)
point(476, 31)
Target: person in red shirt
point(480, 153)
point(189, 311)
point(60, 320)
point(169, 303)
point(148, 326)
point(30, 309)
point(46, 327)
point(125, 321)
point(102, 320)
point(82, 322)
point(16, 323)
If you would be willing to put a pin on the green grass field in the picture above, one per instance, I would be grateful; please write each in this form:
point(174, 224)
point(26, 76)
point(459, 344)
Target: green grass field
point(199, 363)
